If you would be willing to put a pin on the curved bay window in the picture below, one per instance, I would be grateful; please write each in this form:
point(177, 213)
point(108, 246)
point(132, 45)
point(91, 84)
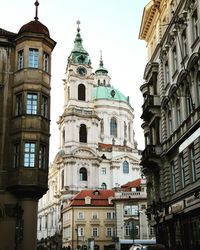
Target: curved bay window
point(83, 174)
point(83, 133)
point(81, 92)
point(113, 127)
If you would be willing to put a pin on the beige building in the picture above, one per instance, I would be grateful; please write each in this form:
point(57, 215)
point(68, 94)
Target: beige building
point(89, 220)
point(171, 90)
point(25, 70)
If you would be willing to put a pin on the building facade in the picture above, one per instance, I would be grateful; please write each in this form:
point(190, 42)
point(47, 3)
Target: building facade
point(171, 159)
point(97, 146)
point(131, 220)
point(25, 68)
point(89, 218)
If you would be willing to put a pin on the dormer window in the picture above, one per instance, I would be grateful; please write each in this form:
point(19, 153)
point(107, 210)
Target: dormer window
point(87, 200)
point(96, 192)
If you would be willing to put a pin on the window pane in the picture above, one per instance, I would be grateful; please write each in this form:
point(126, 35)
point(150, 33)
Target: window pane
point(33, 58)
point(20, 59)
point(44, 106)
point(45, 62)
point(18, 108)
point(31, 104)
point(29, 154)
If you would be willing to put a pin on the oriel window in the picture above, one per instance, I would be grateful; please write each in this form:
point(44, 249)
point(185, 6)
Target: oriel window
point(44, 106)
point(18, 107)
point(42, 156)
point(16, 155)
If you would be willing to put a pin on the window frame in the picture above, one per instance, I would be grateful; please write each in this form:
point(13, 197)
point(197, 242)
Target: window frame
point(46, 61)
point(33, 59)
point(31, 103)
point(20, 59)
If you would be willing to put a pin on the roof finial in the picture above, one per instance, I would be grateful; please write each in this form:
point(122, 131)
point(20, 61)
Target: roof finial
point(36, 10)
point(78, 29)
point(101, 59)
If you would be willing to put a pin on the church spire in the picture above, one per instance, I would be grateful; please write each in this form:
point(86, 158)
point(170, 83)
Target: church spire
point(36, 10)
point(101, 70)
point(79, 55)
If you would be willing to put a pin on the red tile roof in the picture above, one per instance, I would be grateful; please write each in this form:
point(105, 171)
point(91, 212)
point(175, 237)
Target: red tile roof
point(98, 198)
point(131, 184)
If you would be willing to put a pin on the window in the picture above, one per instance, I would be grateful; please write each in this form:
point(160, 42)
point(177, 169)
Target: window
point(188, 101)
point(83, 174)
point(45, 62)
point(170, 122)
point(130, 229)
point(184, 44)
point(83, 133)
point(125, 167)
point(167, 79)
point(103, 185)
point(94, 216)
point(42, 156)
point(173, 177)
point(31, 104)
point(193, 162)
point(81, 92)
point(110, 216)
point(174, 55)
point(103, 171)
point(95, 232)
point(80, 231)
point(62, 179)
point(29, 154)
point(102, 126)
point(113, 127)
point(33, 58)
point(195, 25)
point(182, 169)
point(18, 108)
point(109, 232)
point(178, 111)
point(20, 59)
point(81, 215)
point(16, 155)
point(131, 210)
point(44, 106)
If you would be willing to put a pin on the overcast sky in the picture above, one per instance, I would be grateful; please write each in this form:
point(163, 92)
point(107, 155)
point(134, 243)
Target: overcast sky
point(108, 25)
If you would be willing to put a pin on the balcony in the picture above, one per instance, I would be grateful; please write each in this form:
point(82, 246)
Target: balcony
point(151, 155)
point(151, 106)
point(130, 195)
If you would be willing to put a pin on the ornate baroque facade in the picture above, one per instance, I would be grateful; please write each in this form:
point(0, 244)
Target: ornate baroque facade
point(171, 159)
point(97, 146)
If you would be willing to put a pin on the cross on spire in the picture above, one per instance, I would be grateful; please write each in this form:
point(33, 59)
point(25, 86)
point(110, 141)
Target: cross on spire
point(36, 10)
point(78, 28)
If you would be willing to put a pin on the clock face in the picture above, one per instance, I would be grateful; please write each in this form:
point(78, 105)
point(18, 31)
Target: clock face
point(81, 71)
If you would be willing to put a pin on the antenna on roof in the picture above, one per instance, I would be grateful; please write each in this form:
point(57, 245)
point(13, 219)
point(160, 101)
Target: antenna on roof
point(36, 10)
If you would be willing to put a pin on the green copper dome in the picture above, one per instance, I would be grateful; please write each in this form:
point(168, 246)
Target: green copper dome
point(79, 55)
point(105, 92)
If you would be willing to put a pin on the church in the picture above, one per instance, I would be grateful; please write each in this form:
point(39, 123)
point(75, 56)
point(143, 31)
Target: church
point(97, 148)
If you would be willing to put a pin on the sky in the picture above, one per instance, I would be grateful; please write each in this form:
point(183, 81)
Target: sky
point(111, 26)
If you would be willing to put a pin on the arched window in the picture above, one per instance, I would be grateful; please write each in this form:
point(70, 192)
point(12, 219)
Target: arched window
point(83, 133)
point(62, 179)
point(83, 174)
point(188, 101)
point(102, 126)
point(125, 167)
point(81, 92)
point(113, 127)
point(125, 130)
point(63, 136)
point(103, 185)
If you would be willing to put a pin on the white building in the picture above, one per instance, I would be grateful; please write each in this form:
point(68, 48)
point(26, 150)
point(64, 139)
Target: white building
point(97, 146)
